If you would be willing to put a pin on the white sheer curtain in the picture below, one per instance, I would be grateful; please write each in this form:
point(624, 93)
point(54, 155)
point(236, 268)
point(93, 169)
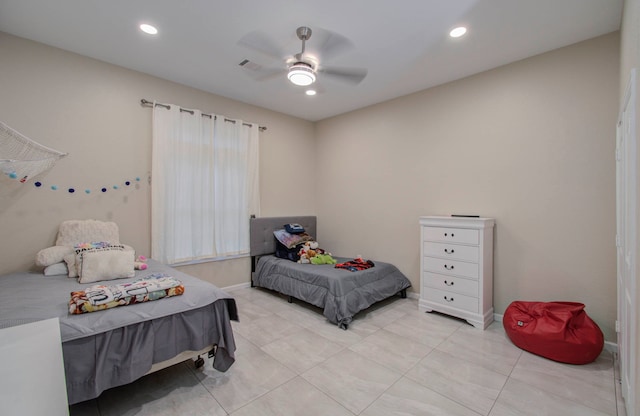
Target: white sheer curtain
point(204, 185)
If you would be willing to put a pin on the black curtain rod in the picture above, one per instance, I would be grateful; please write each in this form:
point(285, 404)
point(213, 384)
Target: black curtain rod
point(167, 106)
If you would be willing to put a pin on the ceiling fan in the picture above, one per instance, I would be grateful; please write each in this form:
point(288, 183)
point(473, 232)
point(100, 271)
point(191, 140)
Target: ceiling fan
point(302, 68)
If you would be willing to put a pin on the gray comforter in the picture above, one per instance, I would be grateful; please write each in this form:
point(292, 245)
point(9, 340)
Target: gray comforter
point(341, 293)
point(113, 347)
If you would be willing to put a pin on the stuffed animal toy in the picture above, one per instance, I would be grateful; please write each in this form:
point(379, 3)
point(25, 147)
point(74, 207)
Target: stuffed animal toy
point(140, 263)
point(310, 250)
point(323, 259)
point(306, 252)
point(304, 257)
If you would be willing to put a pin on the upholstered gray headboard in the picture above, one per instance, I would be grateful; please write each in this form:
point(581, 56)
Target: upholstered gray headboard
point(261, 231)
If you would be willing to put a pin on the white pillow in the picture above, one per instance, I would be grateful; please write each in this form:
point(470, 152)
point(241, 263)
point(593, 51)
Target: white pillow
point(52, 255)
point(55, 269)
point(70, 261)
point(73, 232)
point(113, 262)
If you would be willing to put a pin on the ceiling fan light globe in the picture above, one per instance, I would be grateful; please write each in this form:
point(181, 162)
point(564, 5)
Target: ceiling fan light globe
point(301, 74)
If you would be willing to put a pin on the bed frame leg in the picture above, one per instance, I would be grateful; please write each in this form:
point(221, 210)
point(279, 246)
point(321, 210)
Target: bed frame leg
point(253, 269)
point(290, 299)
point(403, 293)
point(199, 362)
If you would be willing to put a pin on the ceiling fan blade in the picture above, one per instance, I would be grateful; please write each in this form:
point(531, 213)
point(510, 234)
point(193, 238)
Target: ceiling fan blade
point(270, 73)
point(258, 72)
point(328, 44)
point(261, 42)
point(348, 75)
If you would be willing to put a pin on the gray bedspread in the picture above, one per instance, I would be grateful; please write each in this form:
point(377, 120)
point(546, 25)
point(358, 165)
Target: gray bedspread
point(113, 347)
point(341, 293)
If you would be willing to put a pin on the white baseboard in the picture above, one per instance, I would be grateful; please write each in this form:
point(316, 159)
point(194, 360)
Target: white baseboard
point(236, 287)
point(612, 347)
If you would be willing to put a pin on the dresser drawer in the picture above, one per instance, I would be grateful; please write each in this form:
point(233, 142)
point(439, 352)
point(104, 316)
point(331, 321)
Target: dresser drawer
point(451, 284)
point(451, 251)
point(451, 235)
point(453, 300)
point(451, 267)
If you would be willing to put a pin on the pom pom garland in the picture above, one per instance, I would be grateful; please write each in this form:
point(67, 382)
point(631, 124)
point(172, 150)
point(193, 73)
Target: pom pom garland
point(72, 190)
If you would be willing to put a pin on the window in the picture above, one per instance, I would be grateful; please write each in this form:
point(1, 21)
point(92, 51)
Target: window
point(204, 185)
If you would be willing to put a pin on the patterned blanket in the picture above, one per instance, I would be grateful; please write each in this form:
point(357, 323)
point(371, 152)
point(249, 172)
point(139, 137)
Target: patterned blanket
point(100, 297)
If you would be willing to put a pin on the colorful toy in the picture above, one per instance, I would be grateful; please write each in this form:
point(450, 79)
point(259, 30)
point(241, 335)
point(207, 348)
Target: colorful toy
point(323, 259)
point(309, 251)
point(140, 263)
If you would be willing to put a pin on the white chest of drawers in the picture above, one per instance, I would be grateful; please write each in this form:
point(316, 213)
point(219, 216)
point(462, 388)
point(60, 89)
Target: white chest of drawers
point(456, 266)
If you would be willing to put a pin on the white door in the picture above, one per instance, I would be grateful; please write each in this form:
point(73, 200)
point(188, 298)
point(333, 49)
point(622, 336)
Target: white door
point(626, 244)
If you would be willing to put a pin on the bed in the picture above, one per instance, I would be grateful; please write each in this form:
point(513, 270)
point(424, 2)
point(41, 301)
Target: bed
point(340, 293)
point(116, 346)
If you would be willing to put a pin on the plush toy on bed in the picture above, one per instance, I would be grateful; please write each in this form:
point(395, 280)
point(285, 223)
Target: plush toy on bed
point(309, 251)
point(323, 259)
point(140, 263)
point(303, 254)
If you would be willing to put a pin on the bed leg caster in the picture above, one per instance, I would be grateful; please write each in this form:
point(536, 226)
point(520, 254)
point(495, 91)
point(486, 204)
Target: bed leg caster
point(199, 362)
point(403, 293)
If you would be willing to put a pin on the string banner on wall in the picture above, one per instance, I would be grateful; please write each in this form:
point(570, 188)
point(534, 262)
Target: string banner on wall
point(103, 189)
point(22, 158)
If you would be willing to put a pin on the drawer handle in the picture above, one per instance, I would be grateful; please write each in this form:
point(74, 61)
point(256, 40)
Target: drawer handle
point(448, 299)
point(446, 234)
point(446, 250)
point(448, 283)
point(449, 267)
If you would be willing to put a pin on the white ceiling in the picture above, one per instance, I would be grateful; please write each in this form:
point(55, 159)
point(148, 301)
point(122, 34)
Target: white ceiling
point(403, 44)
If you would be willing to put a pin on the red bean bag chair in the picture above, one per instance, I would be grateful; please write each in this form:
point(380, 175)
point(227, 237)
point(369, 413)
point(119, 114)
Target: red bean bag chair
point(560, 331)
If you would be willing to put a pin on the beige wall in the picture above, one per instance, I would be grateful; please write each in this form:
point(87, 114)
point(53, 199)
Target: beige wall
point(530, 144)
point(92, 110)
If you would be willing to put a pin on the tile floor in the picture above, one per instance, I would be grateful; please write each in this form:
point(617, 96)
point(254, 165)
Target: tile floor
point(393, 360)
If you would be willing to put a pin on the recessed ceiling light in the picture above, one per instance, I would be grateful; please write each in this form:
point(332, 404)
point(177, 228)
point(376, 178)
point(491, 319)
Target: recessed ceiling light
point(148, 29)
point(310, 92)
point(458, 31)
